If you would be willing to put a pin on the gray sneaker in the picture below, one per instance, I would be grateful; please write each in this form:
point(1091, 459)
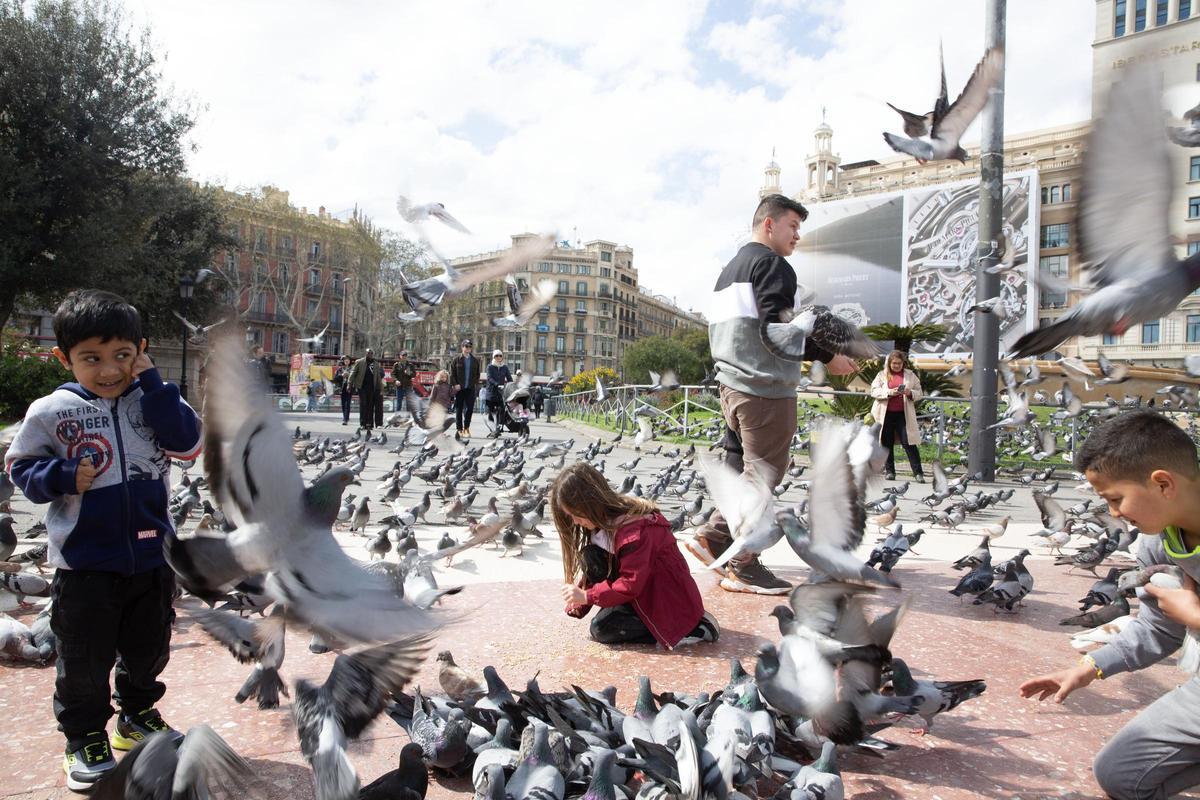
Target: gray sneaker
point(89, 762)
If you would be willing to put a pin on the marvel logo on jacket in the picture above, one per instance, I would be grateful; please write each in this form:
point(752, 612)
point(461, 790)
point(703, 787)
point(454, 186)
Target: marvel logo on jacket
point(119, 523)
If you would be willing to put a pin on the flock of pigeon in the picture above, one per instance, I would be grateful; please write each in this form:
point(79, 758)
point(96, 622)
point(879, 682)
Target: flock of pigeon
point(264, 546)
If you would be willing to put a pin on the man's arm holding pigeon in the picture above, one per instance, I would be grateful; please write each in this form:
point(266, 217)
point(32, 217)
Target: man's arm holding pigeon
point(32, 464)
point(774, 284)
point(173, 421)
point(1151, 636)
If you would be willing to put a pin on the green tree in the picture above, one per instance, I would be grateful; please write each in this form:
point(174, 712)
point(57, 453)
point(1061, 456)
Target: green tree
point(91, 154)
point(696, 340)
point(903, 337)
point(402, 259)
point(660, 354)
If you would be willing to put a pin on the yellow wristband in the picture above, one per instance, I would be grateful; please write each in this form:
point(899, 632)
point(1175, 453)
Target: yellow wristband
point(1091, 662)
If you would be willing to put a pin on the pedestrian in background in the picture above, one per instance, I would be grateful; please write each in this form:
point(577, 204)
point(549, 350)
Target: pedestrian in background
point(366, 378)
point(403, 373)
point(896, 390)
point(464, 378)
point(497, 377)
point(341, 379)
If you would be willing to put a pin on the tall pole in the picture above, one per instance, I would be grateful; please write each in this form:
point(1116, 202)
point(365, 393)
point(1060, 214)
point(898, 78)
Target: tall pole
point(342, 333)
point(982, 444)
point(183, 358)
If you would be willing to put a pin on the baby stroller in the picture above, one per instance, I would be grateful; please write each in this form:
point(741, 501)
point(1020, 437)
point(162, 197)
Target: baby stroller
point(511, 415)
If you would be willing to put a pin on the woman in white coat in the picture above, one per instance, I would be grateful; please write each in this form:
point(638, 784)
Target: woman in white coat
point(896, 391)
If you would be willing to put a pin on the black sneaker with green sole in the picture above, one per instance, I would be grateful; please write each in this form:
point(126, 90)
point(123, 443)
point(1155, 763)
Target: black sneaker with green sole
point(132, 729)
point(87, 761)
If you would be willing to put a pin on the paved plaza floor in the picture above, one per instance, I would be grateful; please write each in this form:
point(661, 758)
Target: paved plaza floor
point(995, 746)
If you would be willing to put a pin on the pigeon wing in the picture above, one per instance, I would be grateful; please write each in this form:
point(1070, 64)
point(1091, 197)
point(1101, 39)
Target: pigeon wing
point(743, 501)
point(510, 262)
point(240, 636)
point(360, 685)
point(513, 292)
point(208, 765)
point(917, 148)
point(541, 296)
point(1127, 156)
point(837, 516)
point(818, 606)
point(1054, 518)
point(974, 96)
point(444, 216)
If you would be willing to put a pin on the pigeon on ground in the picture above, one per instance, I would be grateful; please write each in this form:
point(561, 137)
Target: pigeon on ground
point(16, 642)
point(8, 537)
point(1126, 249)
point(935, 696)
point(457, 682)
point(409, 781)
point(1117, 608)
point(331, 715)
point(949, 123)
point(24, 584)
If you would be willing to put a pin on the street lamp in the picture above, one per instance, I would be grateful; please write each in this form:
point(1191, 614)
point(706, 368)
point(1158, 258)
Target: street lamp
point(186, 285)
point(342, 333)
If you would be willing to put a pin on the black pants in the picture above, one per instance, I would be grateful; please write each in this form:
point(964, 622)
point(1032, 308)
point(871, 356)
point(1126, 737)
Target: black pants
point(345, 406)
point(895, 428)
point(464, 407)
point(370, 409)
point(104, 619)
point(620, 625)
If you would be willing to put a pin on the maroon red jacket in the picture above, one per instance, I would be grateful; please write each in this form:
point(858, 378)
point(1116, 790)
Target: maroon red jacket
point(654, 579)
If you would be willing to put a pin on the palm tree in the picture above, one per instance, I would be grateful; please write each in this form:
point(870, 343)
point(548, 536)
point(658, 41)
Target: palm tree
point(903, 337)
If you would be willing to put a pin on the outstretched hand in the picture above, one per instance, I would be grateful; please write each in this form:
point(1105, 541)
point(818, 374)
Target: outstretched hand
point(1059, 684)
point(573, 595)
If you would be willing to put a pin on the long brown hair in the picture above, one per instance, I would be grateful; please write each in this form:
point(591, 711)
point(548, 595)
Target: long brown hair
point(887, 362)
point(584, 490)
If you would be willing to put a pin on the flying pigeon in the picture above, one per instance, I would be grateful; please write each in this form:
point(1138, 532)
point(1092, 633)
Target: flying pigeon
point(417, 214)
point(520, 312)
point(423, 295)
point(1126, 248)
point(284, 529)
point(949, 123)
point(1189, 136)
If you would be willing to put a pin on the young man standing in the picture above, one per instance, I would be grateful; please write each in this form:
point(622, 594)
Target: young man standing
point(403, 373)
point(758, 390)
point(464, 377)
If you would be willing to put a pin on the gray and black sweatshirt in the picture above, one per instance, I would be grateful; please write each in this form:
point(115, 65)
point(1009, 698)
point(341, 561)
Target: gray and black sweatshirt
point(756, 285)
point(1151, 636)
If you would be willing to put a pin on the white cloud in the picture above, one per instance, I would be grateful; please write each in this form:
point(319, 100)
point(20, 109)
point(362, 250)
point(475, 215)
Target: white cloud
point(646, 124)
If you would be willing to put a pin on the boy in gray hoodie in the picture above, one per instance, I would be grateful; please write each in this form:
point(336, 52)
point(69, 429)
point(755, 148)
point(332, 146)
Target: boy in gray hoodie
point(1144, 466)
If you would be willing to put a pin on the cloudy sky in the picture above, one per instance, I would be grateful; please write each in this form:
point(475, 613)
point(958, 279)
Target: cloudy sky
point(647, 124)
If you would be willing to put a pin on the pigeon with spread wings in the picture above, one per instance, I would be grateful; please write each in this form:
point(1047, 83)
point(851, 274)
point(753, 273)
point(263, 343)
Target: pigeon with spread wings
point(1126, 247)
point(422, 294)
point(520, 311)
point(950, 122)
point(284, 529)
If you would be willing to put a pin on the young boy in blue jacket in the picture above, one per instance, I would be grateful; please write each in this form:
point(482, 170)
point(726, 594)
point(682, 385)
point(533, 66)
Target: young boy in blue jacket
point(1144, 466)
point(98, 451)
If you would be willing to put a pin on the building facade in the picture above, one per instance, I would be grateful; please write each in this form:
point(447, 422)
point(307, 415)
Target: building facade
point(596, 312)
point(1165, 32)
point(660, 316)
point(294, 275)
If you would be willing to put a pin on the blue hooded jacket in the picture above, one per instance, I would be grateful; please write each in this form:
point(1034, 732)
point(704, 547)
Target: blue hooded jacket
point(119, 524)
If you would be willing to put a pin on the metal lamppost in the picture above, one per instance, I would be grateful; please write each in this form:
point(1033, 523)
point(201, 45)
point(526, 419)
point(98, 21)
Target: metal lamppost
point(342, 333)
point(186, 285)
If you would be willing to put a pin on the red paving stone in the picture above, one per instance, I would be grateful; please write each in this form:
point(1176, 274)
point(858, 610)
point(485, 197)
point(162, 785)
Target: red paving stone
point(995, 746)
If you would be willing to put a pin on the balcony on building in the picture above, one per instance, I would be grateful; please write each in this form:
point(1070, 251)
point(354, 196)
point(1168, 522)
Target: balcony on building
point(313, 288)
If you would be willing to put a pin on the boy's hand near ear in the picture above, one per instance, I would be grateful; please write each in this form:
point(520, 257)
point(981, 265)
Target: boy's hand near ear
point(142, 363)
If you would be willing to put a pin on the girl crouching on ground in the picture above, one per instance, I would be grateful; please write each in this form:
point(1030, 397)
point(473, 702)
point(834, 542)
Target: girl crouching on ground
point(619, 554)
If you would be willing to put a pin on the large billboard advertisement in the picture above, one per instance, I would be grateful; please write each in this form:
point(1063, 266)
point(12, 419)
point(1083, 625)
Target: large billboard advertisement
point(851, 256)
point(940, 247)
